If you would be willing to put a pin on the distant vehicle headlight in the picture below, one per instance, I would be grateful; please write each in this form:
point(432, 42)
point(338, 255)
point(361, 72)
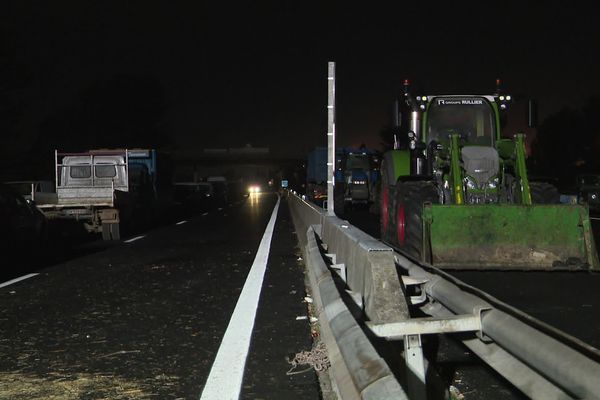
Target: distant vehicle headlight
point(359, 182)
point(254, 189)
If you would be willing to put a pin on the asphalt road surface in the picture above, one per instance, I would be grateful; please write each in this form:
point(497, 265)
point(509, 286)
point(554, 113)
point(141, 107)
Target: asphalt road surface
point(145, 318)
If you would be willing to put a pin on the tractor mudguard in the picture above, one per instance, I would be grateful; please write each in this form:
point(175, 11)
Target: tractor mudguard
point(509, 236)
point(396, 164)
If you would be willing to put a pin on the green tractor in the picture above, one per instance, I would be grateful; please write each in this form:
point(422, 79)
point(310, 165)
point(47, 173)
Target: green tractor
point(456, 194)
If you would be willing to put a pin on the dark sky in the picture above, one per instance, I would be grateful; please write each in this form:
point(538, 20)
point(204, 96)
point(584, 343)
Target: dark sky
point(236, 74)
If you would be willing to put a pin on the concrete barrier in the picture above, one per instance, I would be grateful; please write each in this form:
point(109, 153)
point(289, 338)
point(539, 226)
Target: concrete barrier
point(370, 270)
point(370, 267)
point(357, 369)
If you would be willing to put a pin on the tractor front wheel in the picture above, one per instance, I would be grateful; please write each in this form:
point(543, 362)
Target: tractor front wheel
point(544, 193)
point(410, 197)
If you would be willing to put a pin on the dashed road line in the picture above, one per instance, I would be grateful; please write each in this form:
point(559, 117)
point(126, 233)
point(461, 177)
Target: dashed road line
point(21, 278)
point(133, 239)
point(181, 222)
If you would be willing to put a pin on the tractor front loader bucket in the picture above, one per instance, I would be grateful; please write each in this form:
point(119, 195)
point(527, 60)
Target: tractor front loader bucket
point(495, 236)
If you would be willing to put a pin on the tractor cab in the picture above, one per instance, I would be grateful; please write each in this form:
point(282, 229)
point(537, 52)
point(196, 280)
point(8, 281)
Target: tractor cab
point(473, 118)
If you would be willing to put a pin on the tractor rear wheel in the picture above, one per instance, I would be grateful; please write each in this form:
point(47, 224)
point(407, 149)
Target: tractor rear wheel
point(410, 197)
point(543, 193)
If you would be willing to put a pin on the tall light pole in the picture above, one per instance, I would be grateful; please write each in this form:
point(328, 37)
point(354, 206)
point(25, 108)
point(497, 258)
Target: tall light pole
point(330, 137)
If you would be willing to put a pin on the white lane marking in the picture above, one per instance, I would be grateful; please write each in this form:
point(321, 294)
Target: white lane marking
point(227, 372)
point(205, 214)
point(181, 223)
point(21, 278)
point(595, 218)
point(134, 239)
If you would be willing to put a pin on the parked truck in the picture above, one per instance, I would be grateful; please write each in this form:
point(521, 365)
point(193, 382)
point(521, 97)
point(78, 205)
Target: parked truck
point(102, 188)
point(316, 175)
point(355, 177)
point(455, 193)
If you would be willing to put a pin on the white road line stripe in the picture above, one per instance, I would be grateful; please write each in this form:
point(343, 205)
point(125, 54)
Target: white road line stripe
point(205, 214)
point(181, 223)
point(227, 372)
point(595, 218)
point(21, 278)
point(134, 239)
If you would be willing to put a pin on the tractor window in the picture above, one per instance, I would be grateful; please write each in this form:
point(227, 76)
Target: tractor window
point(472, 118)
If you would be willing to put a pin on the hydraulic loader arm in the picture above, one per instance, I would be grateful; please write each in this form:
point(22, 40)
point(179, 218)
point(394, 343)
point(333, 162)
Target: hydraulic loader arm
point(521, 170)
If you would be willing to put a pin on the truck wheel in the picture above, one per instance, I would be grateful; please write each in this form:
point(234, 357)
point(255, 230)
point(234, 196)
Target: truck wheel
point(339, 204)
point(374, 205)
point(410, 197)
point(111, 231)
point(544, 193)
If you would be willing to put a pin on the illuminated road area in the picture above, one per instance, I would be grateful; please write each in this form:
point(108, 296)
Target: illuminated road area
point(147, 317)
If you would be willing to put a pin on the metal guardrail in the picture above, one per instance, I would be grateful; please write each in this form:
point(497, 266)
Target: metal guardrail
point(541, 364)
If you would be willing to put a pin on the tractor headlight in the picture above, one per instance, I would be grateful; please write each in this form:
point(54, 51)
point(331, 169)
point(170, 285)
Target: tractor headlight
point(470, 183)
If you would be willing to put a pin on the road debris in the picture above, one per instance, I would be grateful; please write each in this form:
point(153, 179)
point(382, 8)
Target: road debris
point(316, 358)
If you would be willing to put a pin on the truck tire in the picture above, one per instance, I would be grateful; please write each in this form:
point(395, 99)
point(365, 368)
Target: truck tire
point(544, 193)
point(339, 203)
point(111, 231)
point(410, 197)
point(375, 204)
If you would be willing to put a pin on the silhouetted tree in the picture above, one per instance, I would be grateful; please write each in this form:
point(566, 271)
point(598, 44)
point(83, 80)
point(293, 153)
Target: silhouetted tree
point(14, 78)
point(567, 142)
point(125, 111)
point(386, 138)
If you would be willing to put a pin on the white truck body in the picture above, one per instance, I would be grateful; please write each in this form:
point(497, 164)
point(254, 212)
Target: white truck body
point(91, 187)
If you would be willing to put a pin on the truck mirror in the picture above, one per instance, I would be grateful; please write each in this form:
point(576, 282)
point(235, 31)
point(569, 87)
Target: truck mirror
point(532, 111)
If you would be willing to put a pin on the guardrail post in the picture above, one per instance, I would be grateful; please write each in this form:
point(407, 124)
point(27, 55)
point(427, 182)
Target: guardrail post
point(414, 355)
point(415, 361)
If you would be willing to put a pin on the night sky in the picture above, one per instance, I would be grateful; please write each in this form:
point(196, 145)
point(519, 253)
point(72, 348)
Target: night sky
point(227, 75)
